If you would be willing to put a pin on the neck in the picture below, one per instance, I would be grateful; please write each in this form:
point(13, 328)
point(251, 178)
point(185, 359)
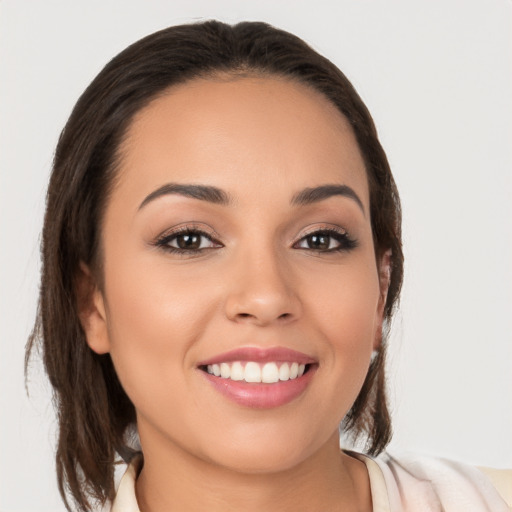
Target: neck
point(329, 481)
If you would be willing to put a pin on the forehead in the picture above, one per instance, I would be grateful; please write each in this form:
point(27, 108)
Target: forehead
point(241, 132)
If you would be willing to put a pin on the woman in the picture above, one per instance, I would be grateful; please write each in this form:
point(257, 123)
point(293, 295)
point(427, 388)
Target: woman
point(221, 258)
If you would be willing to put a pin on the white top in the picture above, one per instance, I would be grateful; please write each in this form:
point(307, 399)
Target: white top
point(411, 484)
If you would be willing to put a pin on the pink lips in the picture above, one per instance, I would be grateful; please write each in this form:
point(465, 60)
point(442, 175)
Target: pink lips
point(260, 355)
point(261, 395)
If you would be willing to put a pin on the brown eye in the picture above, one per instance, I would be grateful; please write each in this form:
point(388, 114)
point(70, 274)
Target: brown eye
point(188, 241)
point(326, 241)
point(319, 241)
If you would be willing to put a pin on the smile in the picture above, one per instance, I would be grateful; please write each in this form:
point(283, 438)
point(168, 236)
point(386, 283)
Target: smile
point(251, 371)
point(260, 378)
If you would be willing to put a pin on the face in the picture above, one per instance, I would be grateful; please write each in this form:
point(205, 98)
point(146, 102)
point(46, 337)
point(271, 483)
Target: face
point(241, 299)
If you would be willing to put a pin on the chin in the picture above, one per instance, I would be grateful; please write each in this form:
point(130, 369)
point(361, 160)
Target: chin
point(264, 453)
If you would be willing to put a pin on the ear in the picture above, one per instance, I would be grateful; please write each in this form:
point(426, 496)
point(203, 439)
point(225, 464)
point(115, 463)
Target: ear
point(91, 311)
point(384, 280)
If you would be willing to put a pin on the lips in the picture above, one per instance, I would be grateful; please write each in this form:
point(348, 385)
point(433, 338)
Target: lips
point(260, 378)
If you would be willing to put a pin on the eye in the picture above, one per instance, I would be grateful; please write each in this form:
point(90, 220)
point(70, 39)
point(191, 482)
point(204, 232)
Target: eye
point(326, 240)
point(187, 241)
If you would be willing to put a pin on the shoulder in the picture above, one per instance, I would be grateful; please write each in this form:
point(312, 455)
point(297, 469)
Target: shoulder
point(502, 481)
point(428, 484)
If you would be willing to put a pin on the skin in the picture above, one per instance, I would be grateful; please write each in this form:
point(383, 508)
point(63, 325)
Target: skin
point(259, 284)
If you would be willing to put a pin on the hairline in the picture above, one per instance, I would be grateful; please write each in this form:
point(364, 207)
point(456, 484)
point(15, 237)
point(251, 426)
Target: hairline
point(220, 75)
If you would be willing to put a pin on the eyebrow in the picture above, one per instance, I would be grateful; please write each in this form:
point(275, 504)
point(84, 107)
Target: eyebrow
point(202, 192)
point(316, 194)
point(217, 196)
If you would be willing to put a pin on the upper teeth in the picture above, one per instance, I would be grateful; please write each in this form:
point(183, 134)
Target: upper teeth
point(254, 372)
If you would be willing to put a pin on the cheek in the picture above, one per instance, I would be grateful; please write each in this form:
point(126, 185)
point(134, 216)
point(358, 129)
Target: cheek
point(345, 299)
point(345, 312)
point(156, 300)
point(154, 317)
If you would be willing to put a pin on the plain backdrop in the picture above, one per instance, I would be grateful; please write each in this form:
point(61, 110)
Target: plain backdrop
point(437, 78)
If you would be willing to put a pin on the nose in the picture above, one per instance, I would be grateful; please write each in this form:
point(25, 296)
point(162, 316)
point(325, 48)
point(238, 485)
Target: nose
point(262, 291)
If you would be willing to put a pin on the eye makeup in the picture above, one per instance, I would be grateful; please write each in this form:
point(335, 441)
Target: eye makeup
point(189, 240)
point(326, 240)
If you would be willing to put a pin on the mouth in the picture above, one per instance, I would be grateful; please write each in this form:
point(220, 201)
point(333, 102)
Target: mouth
point(260, 378)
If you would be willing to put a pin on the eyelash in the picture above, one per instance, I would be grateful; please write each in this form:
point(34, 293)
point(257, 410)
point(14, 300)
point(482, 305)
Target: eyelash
point(165, 240)
point(345, 242)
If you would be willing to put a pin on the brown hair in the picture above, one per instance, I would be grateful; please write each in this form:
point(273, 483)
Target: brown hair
point(94, 412)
